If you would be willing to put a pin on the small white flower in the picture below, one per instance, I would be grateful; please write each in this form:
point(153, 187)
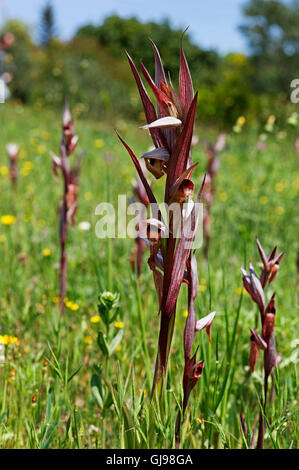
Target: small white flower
point(84, 226)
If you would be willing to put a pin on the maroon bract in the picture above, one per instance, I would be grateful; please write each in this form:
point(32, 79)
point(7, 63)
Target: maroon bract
point(213, 164)
point(140, 245)
point(69, 202)
point(255, 286)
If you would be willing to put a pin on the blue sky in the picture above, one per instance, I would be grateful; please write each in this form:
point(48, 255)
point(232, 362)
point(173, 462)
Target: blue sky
point(213, 23)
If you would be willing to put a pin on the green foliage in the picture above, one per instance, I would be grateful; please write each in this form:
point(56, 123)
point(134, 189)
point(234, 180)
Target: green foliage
point(118, 35)
point(273, 36)
point(20, 60)
point(91, 71)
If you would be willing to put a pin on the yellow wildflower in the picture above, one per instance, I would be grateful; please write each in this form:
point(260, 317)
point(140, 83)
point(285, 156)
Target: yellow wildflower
point(8, 219)
point(46, 252)
point(41, 149)
point(45, 135)
point(28, 165)
point(3, 170)
point(98, 143)
point(223, 197)
point(240, 290)
point(279, 187)
point(296, 182)
point(202, 288)
point(7, 339)
point(119, 324)
point(241, 121)
point(3, 339)
point(279, 210)
point(95, 319)
point(27, 217)
point(263, 200)
point(71, 305)
point(185, 313)
point(14, 340)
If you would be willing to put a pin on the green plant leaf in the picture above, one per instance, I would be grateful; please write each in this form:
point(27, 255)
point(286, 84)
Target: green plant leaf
point(103, 344)
point(116, 341)
point(96, 389)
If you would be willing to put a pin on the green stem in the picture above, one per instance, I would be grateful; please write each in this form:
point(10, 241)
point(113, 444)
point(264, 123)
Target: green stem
point(109, 247)
point(143, 335)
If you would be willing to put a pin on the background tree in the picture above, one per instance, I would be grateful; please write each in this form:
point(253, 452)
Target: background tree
point(47, 27)
point(19, 60)
point(272, 31)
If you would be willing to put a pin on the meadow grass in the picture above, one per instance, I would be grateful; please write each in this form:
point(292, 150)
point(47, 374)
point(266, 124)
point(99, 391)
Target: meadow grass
point(77, 398)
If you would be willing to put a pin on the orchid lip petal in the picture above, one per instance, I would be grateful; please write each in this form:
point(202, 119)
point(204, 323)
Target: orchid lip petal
point(205, 321)
point(155, 223)
point(153, 229)
point(260, 342)
point(167, 121)
point(159, 153)
point(198, 369)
